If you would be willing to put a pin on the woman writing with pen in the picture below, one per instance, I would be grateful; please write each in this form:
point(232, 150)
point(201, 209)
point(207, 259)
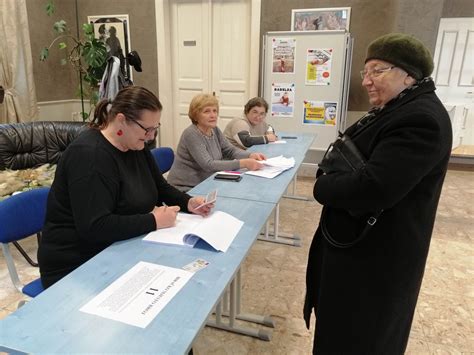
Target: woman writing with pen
point(108, 188)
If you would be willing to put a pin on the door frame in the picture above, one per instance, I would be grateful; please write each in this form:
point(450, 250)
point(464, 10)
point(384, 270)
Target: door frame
point(163, 48)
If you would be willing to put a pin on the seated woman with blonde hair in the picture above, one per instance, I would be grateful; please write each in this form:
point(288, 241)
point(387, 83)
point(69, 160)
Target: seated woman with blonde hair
point(203, 148)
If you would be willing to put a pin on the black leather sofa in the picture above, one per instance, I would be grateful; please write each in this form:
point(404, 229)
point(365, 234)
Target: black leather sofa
point(32, 144)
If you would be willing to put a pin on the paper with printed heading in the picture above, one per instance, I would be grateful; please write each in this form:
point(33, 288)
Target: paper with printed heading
point(138, 296)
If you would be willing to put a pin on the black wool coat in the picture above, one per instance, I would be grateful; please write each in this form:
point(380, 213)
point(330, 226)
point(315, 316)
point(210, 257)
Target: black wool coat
point(364, 296)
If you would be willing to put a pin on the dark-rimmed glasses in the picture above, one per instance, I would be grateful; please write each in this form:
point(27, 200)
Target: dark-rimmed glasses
point(373, 73)
point(147, 130)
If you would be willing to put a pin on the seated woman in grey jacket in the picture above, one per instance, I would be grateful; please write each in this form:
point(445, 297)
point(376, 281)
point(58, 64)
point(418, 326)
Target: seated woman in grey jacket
point(251, 129)
point(203, 149)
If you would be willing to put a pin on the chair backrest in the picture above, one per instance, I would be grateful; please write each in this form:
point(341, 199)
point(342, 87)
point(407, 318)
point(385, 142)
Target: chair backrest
point(23, 214)
point(164, 157)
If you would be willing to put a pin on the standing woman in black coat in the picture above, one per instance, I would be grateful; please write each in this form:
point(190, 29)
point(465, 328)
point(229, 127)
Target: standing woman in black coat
point(364, 296)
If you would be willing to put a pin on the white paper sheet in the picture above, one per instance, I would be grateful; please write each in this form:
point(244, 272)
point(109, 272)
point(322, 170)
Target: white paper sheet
point(268, 172)
point(218, 229)
point(137, 296)
point(273, 167)
point(185, 224)
point(280, 161)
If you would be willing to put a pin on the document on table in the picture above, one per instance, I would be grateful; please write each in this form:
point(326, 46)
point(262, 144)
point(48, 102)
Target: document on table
point(218, 230)
point(278, 142)
point(273, 167)
point(137, 296)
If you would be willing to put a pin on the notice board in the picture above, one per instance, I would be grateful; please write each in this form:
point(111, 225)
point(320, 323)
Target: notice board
point(305, 80)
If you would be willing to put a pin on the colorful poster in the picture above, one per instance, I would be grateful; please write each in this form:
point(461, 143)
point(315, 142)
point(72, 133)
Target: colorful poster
point(320, 112)
point(283, 55)
point(318, 66)
point(283, 100)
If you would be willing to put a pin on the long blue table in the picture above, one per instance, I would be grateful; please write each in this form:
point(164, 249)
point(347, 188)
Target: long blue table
point(52, 322)
point(254, 188)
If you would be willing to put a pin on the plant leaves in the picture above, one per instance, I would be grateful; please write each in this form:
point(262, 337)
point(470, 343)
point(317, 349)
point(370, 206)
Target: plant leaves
point(94, 53)
point(97, 73)
point(88, 28)
point(44, 54)
point(85, 116)
point(50, 8)
point(62, 45)
point(60, 26)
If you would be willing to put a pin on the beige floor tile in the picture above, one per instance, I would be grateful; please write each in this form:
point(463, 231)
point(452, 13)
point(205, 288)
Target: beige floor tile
point(417, 346)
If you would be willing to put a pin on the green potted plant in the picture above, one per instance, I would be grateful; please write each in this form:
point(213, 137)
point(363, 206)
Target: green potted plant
point(87, 55)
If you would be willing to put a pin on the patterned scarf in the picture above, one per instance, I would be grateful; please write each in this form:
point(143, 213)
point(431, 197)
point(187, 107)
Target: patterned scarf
point(375, 111)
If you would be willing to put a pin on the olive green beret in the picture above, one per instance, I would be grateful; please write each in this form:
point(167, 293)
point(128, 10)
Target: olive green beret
point(403, 51)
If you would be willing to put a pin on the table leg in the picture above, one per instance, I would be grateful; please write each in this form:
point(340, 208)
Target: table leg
point(293, 195)
point(277, 236)
point(235, 313)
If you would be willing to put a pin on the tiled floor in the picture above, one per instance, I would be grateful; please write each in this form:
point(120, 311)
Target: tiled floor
point(273, 281)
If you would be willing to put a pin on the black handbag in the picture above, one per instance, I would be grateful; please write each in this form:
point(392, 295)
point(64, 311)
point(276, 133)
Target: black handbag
point(343, 156)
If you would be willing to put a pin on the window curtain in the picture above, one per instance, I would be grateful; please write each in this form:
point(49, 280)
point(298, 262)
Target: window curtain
point(16, 66)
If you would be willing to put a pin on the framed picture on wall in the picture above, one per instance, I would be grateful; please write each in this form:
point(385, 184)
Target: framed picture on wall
point(324, 19)
point(114, 31)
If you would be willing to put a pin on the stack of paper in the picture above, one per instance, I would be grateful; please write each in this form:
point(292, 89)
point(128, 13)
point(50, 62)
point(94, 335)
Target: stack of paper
point(273, 167)
point(218, 229)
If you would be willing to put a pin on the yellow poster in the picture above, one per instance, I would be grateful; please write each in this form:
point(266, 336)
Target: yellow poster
point(320, 112)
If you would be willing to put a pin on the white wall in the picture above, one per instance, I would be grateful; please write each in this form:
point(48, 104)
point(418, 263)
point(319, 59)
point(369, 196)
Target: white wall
point(63, 110)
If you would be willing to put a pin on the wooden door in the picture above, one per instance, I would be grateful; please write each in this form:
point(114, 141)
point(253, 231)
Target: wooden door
point(213, 48)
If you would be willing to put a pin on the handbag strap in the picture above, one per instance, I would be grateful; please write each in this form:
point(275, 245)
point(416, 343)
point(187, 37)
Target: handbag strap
point(370, 223)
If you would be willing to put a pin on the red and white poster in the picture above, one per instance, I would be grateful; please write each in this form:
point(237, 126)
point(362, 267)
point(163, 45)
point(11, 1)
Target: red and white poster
point(318, 66)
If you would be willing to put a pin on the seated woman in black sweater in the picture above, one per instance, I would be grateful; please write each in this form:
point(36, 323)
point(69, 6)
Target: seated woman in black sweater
point(107, 186)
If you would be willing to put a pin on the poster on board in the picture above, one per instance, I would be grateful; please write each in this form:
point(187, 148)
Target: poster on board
point(283, 54)
point(283, 100)
point(318, 66)
point(320, 112)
